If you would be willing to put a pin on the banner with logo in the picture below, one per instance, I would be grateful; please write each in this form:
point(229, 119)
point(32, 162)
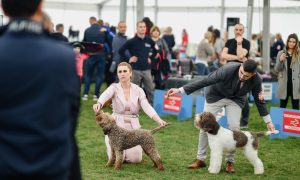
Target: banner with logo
point(179, 105)
point(173, 103)
point(267, 91)
point(291, 122)
point(287, 121)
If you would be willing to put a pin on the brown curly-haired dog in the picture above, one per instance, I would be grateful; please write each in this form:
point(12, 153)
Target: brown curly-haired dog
point(121, 139)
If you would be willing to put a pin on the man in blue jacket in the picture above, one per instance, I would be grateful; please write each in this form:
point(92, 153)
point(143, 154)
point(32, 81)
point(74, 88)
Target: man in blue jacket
point(94, 34)
point(118, 41)
point(39, 98)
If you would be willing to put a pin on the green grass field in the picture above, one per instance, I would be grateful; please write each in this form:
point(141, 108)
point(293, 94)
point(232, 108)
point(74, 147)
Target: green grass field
point(177, 145)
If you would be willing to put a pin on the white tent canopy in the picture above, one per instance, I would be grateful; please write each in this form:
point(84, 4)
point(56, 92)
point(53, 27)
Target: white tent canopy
point(195, 16)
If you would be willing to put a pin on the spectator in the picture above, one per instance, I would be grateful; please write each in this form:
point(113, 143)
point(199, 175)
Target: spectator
point(184, 44)
point(277, 46)
point(210, 28)
point(139, 48)
point(253, 47)
point(170, 40)
point(108, 76)
point(237, 50)
point(58, 35)
point(94, 34)
point(288, 68)
point(149, 25)
point(118, 41)
point(205, 50)
point(40, 100)
point(47, 23)
point(160, 66)
point(80, 58)
point(185, 39)
point(218, 47)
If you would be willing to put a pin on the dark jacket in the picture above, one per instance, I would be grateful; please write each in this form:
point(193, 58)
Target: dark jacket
point(141, 48)
point(170, 40)
point(96, 34)
point(118, 41)
point(224, 83)
point(59, 36)
point(39, 101)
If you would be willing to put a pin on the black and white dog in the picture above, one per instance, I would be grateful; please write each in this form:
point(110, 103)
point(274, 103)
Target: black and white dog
point(224, 140)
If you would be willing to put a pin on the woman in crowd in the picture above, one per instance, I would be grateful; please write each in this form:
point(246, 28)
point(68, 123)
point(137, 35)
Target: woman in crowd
point(205, 54)
point(170, 40)
point(127, 100)
point(277, 46)
point(288, 68)
point(160, 67)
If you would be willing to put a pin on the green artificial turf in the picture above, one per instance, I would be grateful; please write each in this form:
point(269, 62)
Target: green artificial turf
point(177, 145)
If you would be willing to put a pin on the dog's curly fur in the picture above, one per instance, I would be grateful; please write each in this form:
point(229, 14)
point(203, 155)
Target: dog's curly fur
point(221, 139)
point(121, 139)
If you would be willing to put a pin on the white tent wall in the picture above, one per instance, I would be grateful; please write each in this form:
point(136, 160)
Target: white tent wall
point(195, 16)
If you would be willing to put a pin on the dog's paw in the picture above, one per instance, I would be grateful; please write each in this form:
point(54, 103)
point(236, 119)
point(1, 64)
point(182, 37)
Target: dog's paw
point(213, 171)
point(161, 169)
point(117, 168)
point(209, 168)
point(258, 171)
point(108, 165)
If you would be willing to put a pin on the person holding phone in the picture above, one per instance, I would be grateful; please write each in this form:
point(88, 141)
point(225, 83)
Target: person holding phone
point(288, 68)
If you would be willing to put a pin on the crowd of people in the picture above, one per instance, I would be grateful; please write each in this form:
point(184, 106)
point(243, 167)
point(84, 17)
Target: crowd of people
point(38, 124)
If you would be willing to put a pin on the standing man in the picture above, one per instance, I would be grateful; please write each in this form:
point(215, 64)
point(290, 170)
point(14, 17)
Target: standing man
point(39, 98)
point(58, 35)
point(94, 34)
point(140, 47)
point(118, 41)
point(227, 87)
point(237, 50)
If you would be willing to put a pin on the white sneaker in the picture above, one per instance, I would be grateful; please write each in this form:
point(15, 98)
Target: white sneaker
point(95, 98)
point(85, 97)
point(244, 127)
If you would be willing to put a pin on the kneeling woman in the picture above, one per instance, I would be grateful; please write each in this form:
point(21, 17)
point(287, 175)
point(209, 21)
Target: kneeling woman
point(127, 100)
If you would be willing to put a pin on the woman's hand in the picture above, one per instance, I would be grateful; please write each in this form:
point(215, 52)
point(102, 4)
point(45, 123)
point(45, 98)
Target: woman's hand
point(162, 123)
point(282, 57)
point(159, 121)
point(96, 107)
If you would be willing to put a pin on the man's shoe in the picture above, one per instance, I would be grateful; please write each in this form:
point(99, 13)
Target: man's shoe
point(229, 167)
point(85, 97)
point(197, 164)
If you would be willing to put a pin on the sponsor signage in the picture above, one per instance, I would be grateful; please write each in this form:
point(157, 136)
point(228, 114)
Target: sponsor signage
point(173, 103)
point(291, 122)
point(267, 91)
